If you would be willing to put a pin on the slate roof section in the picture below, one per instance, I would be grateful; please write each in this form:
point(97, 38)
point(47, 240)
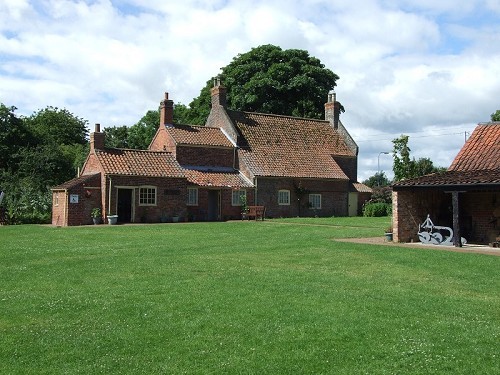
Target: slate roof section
point(481, 151)
point(284, 146)
point(93, 180)
point(452, 179)
point(198, 135)
point(218, 179)
point(139, 163)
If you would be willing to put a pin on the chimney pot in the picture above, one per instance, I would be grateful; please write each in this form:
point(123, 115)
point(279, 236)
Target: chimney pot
point(97, 128)
point(219, 94)
point(166, 111)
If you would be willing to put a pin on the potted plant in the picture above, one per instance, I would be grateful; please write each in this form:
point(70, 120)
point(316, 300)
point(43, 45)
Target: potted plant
point(175, 218)
point(96, 215)
point(388, 233)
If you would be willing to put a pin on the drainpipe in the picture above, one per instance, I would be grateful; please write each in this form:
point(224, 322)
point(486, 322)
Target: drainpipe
point(109, 198)
point(255, 194)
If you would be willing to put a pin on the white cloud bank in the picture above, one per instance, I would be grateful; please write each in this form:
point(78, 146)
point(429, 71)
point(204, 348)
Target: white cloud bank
point(429, 69)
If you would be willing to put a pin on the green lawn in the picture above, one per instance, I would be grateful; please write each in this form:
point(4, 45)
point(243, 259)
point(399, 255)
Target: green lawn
point(272, 297)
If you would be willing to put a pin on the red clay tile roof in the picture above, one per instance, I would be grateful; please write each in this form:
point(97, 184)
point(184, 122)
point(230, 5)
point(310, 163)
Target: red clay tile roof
point(93, 180)
point(481, 151)
point(360, 188)
point(139, 163)
point(484, 177)
point(198, 135)
point(288, 146)
point(217, 179)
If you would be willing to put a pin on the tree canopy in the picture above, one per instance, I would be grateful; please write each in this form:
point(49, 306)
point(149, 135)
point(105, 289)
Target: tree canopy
point(269, 79)
point(495, 116)
point(404, 167)
point(37, 152)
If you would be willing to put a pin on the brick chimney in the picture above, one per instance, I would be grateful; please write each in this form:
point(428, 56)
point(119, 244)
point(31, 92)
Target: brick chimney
point(218, 93)
point(97, 138)
point(332, 110)
point(166, 111)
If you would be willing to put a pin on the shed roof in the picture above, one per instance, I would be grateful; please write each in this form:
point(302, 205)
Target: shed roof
point(481, 151)
point(454, 179)
point(85, 180)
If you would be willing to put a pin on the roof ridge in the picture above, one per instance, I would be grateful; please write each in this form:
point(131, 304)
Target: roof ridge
point(281, 116)
point(132, 149)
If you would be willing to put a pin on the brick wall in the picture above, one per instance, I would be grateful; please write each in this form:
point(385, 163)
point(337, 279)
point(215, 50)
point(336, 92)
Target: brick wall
point(476, 213)
point(170, 197)
point(67, 213)
point(349, 166)
point(334, 197)
point(205, 156)
point(480, 214)
point(162, 141)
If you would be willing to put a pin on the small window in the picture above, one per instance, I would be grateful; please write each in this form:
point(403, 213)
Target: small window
point(192, 197)
point(284, 197)
point(56, 199)
point(315, 201)
point(147, 196)
point(239, 196)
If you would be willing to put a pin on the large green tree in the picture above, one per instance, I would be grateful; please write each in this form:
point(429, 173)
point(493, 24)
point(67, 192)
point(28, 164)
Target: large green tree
point(38, 152)
point(495, 116)
point(269, 79)
point(405, 167)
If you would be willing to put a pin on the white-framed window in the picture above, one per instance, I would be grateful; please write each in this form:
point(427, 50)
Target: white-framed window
point(239, 196)
point(284, 197)
point(315, 201)
point(56, 199)
point(192, 198)
point(147, 196)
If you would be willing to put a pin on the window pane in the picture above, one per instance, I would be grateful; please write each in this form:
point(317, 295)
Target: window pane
point(192, 196)
point(238, 197)
point(147, 196)
point(315, 201)
point(284, 197)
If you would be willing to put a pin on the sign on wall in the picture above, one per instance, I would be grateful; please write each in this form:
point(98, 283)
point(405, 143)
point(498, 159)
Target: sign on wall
point(73, 198)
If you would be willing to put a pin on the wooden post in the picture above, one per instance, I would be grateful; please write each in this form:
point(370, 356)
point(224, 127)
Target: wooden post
point(457, 242)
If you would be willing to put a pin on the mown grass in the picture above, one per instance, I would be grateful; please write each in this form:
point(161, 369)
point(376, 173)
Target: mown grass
point(272, 297)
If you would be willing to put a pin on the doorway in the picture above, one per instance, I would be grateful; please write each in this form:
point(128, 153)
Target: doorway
point(124, 208)
point(213, 205)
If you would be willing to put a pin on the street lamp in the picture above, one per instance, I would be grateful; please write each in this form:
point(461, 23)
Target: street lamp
point(378, 165)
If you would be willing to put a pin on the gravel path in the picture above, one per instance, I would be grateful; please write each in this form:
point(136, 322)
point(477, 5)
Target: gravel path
point(469, 248)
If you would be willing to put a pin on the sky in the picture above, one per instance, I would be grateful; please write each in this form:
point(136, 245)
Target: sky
point(424, 68)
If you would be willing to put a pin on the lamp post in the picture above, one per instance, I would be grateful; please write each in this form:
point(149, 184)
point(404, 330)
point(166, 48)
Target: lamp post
point(378, 165)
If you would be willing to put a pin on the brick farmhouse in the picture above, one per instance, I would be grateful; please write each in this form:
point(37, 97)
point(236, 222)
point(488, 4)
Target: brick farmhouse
point(292, 166)
point(465, 198)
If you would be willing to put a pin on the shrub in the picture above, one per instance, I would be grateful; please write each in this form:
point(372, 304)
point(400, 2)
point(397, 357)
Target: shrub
point(377, 209)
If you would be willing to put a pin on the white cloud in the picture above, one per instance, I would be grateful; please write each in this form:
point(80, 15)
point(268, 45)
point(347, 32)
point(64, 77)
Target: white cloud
point(428, 68)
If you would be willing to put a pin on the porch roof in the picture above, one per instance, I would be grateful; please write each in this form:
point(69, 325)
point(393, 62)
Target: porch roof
point(222, 178)
point(360, 188)
point(467, 180)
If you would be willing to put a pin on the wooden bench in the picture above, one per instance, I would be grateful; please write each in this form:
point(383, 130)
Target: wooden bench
point(258, 212)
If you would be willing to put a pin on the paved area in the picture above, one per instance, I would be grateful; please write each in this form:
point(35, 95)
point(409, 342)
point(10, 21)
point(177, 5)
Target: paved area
point(469, 248)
